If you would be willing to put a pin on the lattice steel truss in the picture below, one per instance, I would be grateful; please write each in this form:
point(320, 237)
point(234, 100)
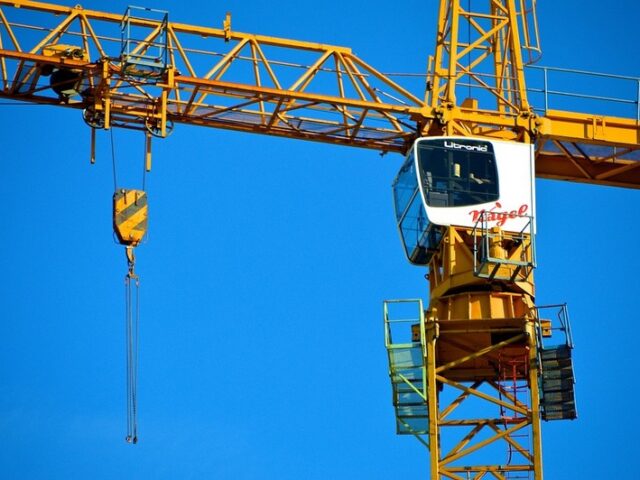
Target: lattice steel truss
point(226, 79)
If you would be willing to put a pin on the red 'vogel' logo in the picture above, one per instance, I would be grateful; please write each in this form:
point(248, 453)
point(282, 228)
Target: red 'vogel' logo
point(499, 217)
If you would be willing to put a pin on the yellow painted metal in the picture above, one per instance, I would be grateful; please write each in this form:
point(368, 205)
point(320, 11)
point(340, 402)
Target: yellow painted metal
point(452, 266)
point(473, 325)
point(564, 153)
point(430, 339)
point(488, 314)
point(92, 148)
point(478, 48)
point(534, 390)
point(366, 108)
point(147, 152)
point(472, 435)
point(130, 212)
point(470, 319)
point(65, 51)
point(545, 327)
point(203, 97)
point(481, 319)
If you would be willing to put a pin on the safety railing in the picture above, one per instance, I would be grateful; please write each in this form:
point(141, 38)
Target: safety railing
point(556, 373)
point(404, 340)
point(557, 321)
point(583, 91)
point(497, 251)
point(550, 88)
point(144, 50)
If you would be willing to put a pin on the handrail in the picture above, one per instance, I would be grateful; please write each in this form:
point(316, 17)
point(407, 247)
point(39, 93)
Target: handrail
point(563, 319)
point(551, 89)
point(549, 93)
point(480, 233)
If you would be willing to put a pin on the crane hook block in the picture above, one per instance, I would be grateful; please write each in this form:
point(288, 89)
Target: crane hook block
point(130, 216)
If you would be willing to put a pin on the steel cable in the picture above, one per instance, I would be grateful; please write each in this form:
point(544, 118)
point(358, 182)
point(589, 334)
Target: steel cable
point(132, 293)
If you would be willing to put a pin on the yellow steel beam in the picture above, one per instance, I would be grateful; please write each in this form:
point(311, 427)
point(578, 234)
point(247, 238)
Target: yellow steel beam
point(523, 451)
point(570, 126)
point(430, 340)
point(588, 148)
point(481, 395)
point(576, 147)
point(177, 27)
point(534, 395)
point(456, 403)
point(502, 434)
point(479, 353)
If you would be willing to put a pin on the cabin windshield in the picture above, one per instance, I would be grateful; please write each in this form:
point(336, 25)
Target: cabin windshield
point(457, 173)
point(419, 237)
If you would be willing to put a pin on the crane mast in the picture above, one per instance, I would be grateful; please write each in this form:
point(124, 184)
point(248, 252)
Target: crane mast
point(479, 335)
point(479, 50)
point(473, 143)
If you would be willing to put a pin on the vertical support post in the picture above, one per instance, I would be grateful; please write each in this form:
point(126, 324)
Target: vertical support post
point(170, 85)
point(106, 96)
point(520, 89)
point(163, 113)
point(226, 25)
point(431, 332)
point(93, 146)
point(107, 112)
point(503, 82)
point(546, 91)
point(147, 152)
point(430, 78)
point(637, 101)
point(453, 53)
point(536, 440)
point(439, 54)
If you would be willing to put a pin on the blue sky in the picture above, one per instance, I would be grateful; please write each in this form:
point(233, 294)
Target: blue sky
point(267, 261)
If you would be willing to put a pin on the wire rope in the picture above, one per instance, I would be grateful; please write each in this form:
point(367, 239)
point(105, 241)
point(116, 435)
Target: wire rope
point(132, 295)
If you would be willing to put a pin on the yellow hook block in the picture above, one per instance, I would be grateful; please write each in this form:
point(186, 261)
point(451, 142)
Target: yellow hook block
point(130, 213)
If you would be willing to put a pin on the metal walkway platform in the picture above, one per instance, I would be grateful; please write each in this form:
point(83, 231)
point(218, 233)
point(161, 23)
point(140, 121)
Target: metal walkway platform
point(404, 329)
point(557, 379)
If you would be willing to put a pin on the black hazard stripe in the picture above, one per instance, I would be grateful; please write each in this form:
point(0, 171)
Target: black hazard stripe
point(132, 209)
point(142, 226)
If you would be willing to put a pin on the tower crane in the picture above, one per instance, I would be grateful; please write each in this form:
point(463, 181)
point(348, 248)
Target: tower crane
point(464, 197)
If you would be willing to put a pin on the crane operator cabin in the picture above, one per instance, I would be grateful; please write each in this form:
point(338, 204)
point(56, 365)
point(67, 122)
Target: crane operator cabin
point(455, 181)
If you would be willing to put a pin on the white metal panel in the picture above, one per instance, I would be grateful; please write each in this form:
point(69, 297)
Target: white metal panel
point(515, 205)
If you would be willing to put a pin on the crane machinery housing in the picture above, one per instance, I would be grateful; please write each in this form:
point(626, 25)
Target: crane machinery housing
point(474, 372)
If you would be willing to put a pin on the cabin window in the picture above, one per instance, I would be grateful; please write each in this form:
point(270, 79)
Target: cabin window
point(419, 237)
point(457, 173)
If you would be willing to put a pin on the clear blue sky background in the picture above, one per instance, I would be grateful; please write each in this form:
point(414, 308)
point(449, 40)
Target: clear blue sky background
point(262, 352)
